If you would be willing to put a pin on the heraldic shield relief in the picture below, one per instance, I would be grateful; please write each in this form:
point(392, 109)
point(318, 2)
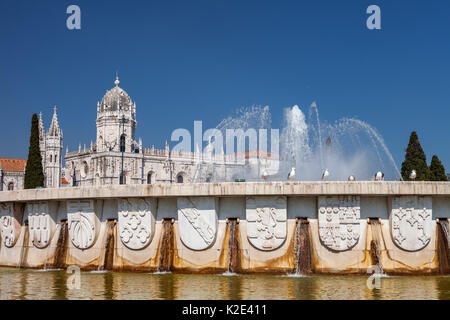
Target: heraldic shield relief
point(39, 224)
point(197, 218)
point(411, 222)
point(266, 221)
point(7, 225)
point(81, 219)
point(339, 226)
point(136, 222)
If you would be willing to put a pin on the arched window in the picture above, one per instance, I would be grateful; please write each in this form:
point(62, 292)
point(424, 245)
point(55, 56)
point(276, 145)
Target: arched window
point(180, 178)
point(11, 186)
point(149, 177)
point(122, 143)
point(56, 158)
point(50, 158)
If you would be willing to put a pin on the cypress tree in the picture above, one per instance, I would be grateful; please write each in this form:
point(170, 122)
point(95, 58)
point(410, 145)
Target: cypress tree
point(415, 159)
point(437, 170)
point(34, 175)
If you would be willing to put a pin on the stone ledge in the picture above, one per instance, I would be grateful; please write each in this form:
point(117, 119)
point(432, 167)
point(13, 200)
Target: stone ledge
point(223, 189)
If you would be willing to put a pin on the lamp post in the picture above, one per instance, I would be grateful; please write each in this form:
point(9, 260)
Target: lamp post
point(122, 147)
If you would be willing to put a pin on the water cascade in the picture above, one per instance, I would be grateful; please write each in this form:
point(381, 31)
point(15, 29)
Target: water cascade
point(443, 246)
point(166, 246)
point(233, 245)
point(303, 259)
point(61, 246)
point(24, 251)
point(107, 252)
point(375, 244)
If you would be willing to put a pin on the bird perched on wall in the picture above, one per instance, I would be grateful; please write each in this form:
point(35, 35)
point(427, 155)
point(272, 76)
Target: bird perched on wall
point(413, 175)
point(325, 174)
point(379, 176)
point(291, 174)
point(265, 174)
point(351, 178)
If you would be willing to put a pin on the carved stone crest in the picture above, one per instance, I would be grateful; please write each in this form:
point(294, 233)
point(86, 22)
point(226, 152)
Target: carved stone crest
point(411, 222)
point(136, 222)
point(339, 225)
point(197, 218)
point(39, 224)
point(266, 221)
point(7, 225)
point(81, 220)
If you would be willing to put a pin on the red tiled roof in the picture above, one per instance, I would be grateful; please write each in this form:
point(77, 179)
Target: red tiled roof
point(13, 165)
point(255, 154)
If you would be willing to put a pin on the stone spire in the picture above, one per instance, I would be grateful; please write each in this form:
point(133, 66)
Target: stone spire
point(54, 126)
point(117, 82)
point(41, 128)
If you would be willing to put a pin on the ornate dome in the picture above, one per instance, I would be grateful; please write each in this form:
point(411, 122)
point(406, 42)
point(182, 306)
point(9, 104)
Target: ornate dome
point(116, 99)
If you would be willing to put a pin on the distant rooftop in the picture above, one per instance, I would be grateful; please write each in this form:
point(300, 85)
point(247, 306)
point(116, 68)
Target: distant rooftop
point(13, 165)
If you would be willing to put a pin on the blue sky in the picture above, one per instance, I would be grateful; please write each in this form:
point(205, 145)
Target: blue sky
point(200, 60)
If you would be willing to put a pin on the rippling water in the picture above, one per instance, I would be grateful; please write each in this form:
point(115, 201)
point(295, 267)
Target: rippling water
point(33, 284)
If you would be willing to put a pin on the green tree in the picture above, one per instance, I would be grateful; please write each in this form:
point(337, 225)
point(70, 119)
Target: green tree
point(437, 170)
point(34, 175)
point(415, 159)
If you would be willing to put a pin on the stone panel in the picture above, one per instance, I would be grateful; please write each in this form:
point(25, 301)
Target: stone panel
point(266, 221)
point(339, 221)
point(411, 222)
point(82, 223)
point(7, 224)
point(39, 224)
point(136, 222)
point(197, 218)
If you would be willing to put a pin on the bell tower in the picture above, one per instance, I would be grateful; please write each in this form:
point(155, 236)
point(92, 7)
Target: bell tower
point(116, 121)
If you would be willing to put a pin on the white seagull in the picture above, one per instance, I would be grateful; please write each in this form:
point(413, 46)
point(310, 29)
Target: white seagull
point(351, 178)
point(379, 176)
point(265, 174)
point(291, 174)
point(413, 175)
point(325, 174)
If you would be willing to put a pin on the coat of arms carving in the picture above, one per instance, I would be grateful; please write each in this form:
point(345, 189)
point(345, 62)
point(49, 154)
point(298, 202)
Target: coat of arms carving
point(39, 224)
point(266, 221)
point(197, 218)
point(7, 224)
point(411, 222)
point(136, 222)
point(81, 221)
point(339, 225)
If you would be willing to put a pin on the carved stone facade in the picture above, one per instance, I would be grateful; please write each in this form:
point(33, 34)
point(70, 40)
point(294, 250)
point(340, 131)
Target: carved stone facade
point(197, 218)
point(51, 145)
point(39, 224)
point(411, 223)
point(82, 223)
point(136, 222)
point(266, 221)
point(7, 225)
point(339, 224)
point(103, 162)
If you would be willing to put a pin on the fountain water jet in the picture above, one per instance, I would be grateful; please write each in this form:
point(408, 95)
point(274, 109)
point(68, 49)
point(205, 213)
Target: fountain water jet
point(353, 147)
